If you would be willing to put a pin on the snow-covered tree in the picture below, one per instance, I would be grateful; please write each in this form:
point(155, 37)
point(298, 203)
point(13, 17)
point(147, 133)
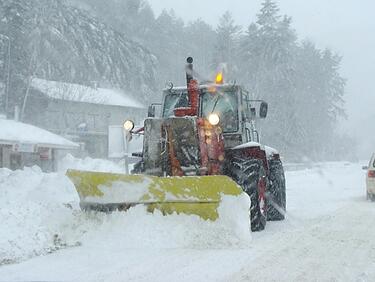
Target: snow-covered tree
point(267, 68)
point(122, 44)
point(54, 41)
point(226, 46)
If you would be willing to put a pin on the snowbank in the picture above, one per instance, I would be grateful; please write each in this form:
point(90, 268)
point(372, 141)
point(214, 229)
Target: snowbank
point(34, 208)
point(138, 229)
point(89, 164)
point(39, 214)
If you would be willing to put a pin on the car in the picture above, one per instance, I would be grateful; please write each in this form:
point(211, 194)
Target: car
point(370, 179)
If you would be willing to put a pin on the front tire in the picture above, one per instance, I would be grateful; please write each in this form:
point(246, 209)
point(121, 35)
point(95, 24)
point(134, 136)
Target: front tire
point(251, 176)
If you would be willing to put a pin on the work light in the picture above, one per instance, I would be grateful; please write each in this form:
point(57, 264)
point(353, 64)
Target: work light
point(129, 125)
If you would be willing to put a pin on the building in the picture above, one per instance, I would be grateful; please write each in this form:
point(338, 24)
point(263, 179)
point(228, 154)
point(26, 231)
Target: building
point(81, 113)
point(23, 144)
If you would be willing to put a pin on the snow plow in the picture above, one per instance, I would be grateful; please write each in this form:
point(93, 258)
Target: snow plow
point(204, 146)
point(188, 195)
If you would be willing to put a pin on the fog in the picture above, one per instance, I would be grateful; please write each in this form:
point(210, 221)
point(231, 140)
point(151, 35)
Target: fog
point(346, 27)
point(320, 103)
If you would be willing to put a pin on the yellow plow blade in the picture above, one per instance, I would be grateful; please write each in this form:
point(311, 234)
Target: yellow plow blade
point(198, 195)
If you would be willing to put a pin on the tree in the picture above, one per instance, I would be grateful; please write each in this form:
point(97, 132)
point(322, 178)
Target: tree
point(269, 17)
point(199, 43)
point(268, 68)
point(226, 44)
point(15, 22)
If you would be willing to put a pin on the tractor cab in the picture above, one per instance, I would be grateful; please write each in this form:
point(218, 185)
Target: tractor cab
point(225, 105)
point(219, 100)
point(198, 126)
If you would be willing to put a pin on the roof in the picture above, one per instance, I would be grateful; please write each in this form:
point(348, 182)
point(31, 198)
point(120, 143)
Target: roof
point(85, 94)
point(202, 86)
point(13, 132)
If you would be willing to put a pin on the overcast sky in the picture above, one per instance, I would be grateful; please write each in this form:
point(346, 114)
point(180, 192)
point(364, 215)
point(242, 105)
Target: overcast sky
point(345, 26)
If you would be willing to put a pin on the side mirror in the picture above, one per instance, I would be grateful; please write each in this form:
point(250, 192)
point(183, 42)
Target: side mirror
point(365, 167)
point(151, 111)
point(263, 110)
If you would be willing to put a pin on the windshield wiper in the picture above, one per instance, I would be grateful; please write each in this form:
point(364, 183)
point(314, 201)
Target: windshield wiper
point(217, 100)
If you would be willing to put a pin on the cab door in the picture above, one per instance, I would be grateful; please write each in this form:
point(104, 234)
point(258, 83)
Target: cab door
point(370, 177)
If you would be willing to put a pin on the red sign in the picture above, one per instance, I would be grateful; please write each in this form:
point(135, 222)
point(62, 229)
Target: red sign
point(45, 153)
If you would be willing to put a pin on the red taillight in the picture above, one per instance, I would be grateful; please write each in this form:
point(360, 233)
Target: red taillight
point(371, 173)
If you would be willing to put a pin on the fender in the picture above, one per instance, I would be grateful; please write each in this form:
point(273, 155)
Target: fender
point(251, 150)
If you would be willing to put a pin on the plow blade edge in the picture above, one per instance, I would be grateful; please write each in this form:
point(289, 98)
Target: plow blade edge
point(197, 195)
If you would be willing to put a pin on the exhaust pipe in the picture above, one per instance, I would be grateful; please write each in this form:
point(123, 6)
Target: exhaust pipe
point(193, 93)
point(189, 70)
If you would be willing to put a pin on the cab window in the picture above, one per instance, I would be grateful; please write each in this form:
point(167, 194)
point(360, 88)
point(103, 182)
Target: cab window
point(173, 101)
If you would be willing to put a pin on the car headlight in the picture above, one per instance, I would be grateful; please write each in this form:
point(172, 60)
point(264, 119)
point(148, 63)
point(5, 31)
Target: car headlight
point(129, 125)
point(214, 119)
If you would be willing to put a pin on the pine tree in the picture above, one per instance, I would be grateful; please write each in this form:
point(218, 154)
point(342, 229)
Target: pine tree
point(15, 19)
point(227, 36)
point(267, 67)
point(199, 43)
point(269, 16)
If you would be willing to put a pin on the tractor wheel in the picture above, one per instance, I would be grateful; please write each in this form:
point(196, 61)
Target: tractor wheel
point(276, 195)
point(251, 176)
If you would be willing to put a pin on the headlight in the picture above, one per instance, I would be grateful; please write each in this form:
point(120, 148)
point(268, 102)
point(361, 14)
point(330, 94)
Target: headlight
point(213, 119)
point(128, 125)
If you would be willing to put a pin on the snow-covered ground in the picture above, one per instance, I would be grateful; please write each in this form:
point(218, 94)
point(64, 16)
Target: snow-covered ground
point(327, 236)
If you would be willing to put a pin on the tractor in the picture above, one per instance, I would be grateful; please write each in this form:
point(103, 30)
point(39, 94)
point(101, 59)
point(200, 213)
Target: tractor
point(204, 144)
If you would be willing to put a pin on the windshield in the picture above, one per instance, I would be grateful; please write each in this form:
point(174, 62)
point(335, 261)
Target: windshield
point(225, 105)
point(222, 103)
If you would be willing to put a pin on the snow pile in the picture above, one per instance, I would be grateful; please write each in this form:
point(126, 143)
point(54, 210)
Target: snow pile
point(137, 229)
point(34, 208)
point(89, 164)
point(39, 214)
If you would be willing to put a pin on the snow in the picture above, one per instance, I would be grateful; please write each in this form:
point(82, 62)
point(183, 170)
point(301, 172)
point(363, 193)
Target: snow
point(247, 145)
point(81, 93)
point(13, 132)
point(32, 210)
point(41, 212)
point(89, 164)
point(118, 192)
point(269, 150)
point(327, 236)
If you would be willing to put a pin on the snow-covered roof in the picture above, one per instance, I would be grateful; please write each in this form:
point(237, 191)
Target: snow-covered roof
point(202, 86)
point(81, 93)
point(13, 132)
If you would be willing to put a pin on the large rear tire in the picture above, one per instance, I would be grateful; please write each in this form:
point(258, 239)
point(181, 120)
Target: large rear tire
point(251, 176)
point(276, 195)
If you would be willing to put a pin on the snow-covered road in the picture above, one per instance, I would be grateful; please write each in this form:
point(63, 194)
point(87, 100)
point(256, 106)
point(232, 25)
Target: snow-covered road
point(328, 236)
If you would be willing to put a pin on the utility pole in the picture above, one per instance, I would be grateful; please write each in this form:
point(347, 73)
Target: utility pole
point(8, 75)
